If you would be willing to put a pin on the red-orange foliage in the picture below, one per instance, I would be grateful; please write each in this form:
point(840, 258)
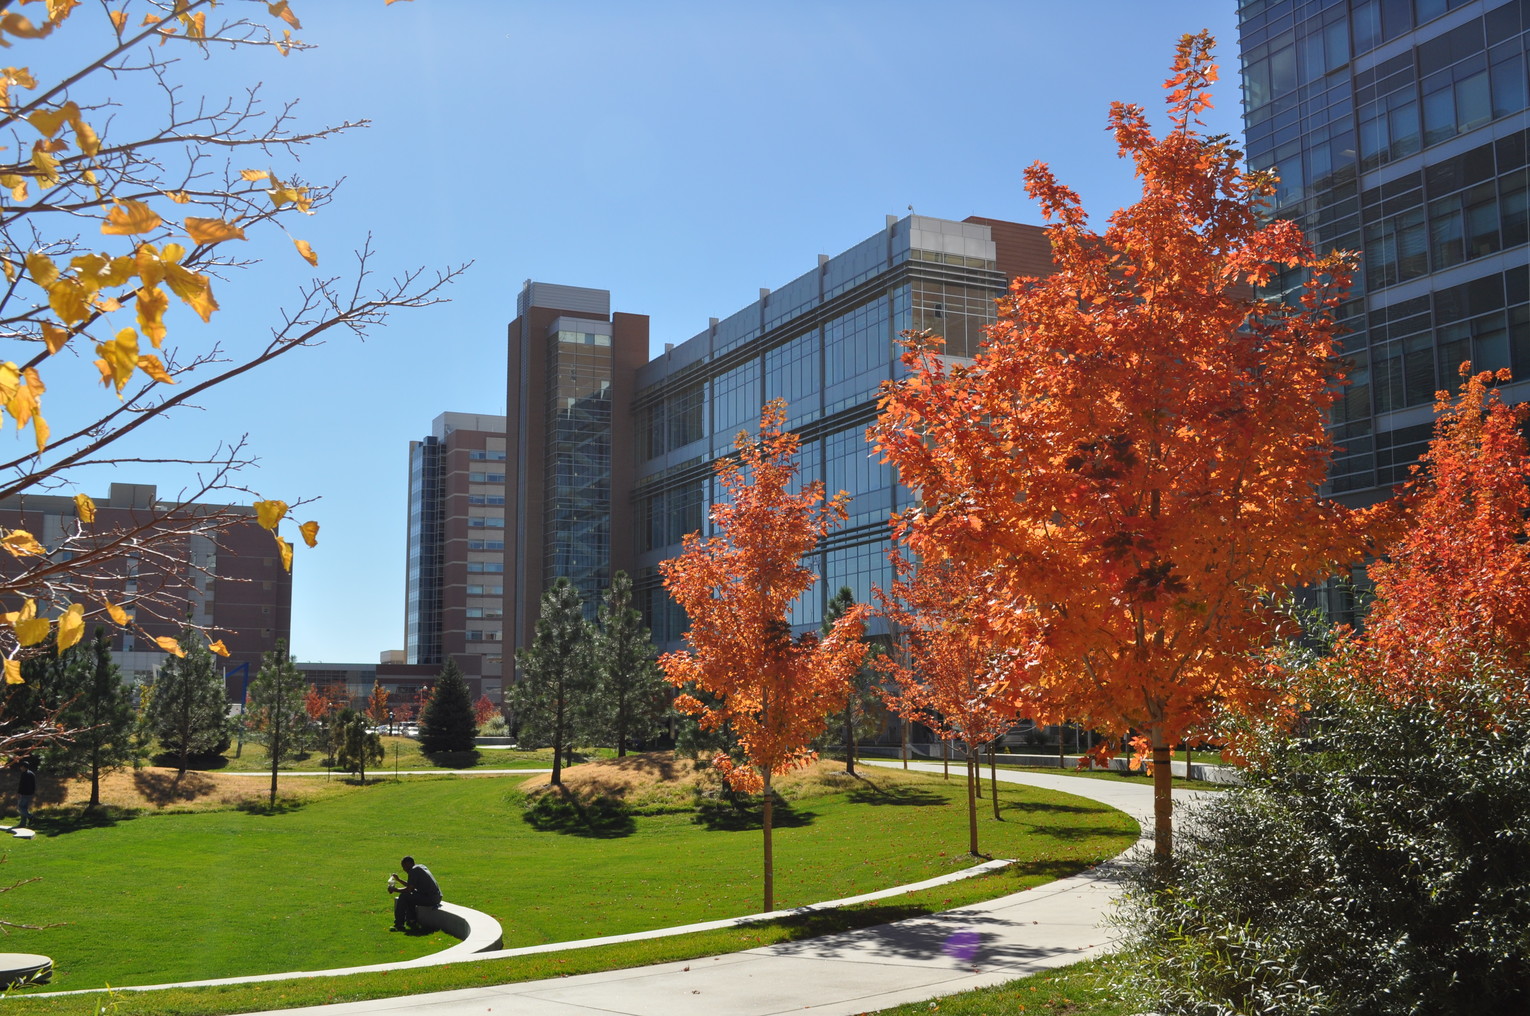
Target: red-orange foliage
point(483, 709)
point(954, 672)
point(737, 588)
point(1453, 594)
point(1133, 458)
point(315, 704)
point(377, 705)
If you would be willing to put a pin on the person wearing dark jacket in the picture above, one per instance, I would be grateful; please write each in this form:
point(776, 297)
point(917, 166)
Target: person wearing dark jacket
point(26, 788)
point(419, 889)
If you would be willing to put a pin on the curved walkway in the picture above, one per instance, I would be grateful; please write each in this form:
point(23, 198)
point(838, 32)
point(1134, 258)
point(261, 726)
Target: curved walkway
point(837, 975)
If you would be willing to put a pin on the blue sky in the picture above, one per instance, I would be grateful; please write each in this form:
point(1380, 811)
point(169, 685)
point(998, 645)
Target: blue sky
point(681, 155)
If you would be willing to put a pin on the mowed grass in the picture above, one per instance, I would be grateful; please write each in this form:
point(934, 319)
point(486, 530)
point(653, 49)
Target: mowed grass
point(405, 752)
point(211, 894)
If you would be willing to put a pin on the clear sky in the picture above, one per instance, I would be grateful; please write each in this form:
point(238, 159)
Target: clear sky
point(680, 154)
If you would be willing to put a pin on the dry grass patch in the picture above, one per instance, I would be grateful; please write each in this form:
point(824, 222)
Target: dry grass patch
point(660, 778)
point(163, 789)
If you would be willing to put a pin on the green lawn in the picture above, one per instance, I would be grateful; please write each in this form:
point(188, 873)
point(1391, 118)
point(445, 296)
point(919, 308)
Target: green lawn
point(211, 894)
point(1083, 989)
point(405, 751)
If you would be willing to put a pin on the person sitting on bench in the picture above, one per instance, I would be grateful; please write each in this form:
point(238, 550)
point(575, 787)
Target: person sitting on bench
point(418, 889)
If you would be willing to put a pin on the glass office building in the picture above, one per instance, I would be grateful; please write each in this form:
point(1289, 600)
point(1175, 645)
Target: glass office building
point(824, 342)
point(1399, 127)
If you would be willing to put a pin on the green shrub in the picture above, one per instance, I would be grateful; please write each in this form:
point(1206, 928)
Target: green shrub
point(1375, 862)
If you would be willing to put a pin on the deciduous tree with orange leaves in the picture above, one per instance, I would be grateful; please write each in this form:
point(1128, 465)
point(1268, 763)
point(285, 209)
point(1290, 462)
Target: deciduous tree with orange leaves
point(953, 664)
point(1133, 457)
point(737, 588)
point(1453, 593)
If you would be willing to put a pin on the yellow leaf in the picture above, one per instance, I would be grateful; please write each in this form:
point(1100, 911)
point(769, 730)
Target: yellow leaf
point(151, 19)
point(15, 24)
point(58, 10)
point(211, 231)
point(286, 551)
point(151, 366)
point(120, 356)
point(194, 288)
point(70, 300)
point(218, 648)
point(48, 121)
point(308, 255)
point(180, 197)
point(270, 513)
point(40, 430)
point(13, 672)
point(129, 217)
point(21, 543)
point(281, 10)
point(170, 645)
point(196, 25)
point(310, 531)
point(150, 268)
point(33, 631)
point(151, 307)
point(253, 175)
point(116, 613)
point(119, 20)
point(71, 625)
point(41, 268)
point(46, 166)
point(85, 508)
point(89, 143)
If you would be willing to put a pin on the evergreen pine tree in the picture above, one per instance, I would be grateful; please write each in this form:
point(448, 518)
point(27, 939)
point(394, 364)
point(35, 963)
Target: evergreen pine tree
point(188, 708)
point(277, 716)
point(88, 686)
point(553, 698)
point(447, 723)
point(631, 692)
point(358, 746)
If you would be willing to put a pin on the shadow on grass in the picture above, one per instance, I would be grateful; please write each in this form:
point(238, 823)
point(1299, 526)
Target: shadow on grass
point(903, 794)
point(161, 788)
point(283, 806)
point(453, 759)
point(194, 763)
point(723, 815)
point(558, 811)
point(61, 821)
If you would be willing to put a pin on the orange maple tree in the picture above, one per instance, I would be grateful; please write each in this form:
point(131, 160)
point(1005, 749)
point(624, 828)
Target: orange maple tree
point(377, 705)
point(953, 672)
point(1453, 593)
point(774, 691)
point(1134, 455)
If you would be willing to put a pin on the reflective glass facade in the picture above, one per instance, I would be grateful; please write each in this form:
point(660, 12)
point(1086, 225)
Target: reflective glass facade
point(825, 342)
point(576, 528)
point(422, 582)
point(1399, 127)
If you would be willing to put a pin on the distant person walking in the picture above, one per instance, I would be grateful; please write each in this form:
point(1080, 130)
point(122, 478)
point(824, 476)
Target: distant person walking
point(418, 889)
point(26, 789)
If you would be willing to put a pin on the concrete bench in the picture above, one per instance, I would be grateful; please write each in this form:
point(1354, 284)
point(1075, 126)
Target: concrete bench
point(24, 968)
point(478, 931)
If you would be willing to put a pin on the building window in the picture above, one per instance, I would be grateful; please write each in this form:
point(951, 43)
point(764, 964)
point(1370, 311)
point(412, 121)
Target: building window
point(476, 567)
point(486, 477)
point(486, 545)
point(477, 455)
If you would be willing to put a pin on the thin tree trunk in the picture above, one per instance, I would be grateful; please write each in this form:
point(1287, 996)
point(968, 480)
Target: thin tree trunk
point(972, 839)
point(1062, 758)
point(1187, 758)
point(945, 756)
point(850, 738)
point(993, 775)
point(906, 725)
point(558, 746)
point(975, 764)
point(770, 867)
point(1163, 800)
point(95, 784)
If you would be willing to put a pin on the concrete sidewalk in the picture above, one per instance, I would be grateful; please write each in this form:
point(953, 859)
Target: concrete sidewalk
point(839, 975)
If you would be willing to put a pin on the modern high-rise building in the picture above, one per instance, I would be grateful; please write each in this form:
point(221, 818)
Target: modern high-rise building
point(455, 577)
point(572, 365)
point(1399, 128)
point(611, 456)
point(225, 576)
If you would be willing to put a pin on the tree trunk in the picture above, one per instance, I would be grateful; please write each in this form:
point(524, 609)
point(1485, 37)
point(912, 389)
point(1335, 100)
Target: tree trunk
point(1163, 800)
point(95, 785)
point(770, 868)
point(972, 839)
point(993, 775)
point(945, 757)
point(1062, 757)
point(975, 764)
point(906, 725)
point(850, 739)
point(557, 773)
